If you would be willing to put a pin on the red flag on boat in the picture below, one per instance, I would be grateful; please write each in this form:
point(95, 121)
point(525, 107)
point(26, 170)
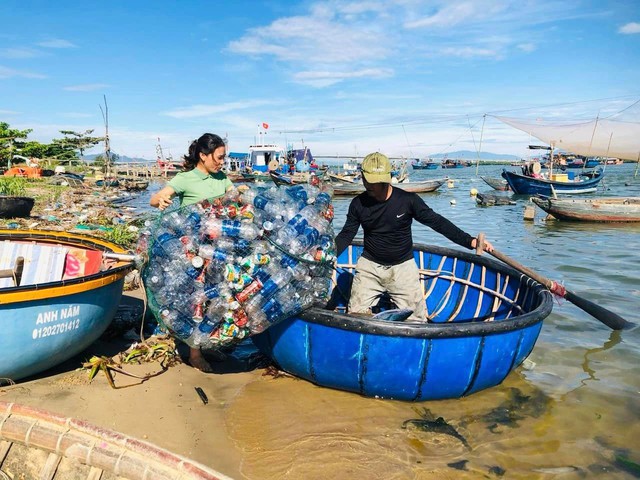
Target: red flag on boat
point(265, 125)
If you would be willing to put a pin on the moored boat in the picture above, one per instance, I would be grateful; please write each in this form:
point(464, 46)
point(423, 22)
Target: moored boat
point(594, 209)
point(422, 186)
point(560, 183)
point(424, 165)
point(454, 163)
point(135, 184)
point(484, 317)
point(58, 293)
point(499, 184)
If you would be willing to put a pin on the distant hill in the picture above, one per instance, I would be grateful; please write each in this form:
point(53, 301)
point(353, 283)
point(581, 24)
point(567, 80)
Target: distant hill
point(471, 155)
point(121, 159)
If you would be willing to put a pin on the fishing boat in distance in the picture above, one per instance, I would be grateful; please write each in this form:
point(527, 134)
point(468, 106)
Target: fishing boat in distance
point(424, 164)
point(58, 293)
point(593, 209)
point(484, 320)
point(453, 163)
point(422, 186)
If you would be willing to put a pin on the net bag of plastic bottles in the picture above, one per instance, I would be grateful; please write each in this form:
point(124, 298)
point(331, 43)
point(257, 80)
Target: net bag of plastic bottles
point(221, 270)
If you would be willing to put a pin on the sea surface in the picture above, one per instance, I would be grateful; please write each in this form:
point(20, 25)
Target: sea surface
point(571, 411)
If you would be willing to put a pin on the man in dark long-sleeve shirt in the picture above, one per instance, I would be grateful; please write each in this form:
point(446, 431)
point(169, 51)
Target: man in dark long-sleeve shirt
point(387, 264)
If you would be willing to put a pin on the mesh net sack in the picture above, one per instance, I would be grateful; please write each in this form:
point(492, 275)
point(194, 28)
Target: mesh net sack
point(225, 269)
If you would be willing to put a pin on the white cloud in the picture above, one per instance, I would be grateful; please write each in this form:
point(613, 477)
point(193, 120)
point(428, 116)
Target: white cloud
point(87, 87)
point(8, 112)
point(450, 15)
point(313, 39)
point(6, 72)
point(18, 52)
point(325, 78)
point(629, 28)
point(343, 36)
point(468, 52)
point(526, 47)
point(56, 43)
point(195, 111)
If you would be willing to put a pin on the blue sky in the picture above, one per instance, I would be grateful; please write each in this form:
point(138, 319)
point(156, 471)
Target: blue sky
point(404, 77)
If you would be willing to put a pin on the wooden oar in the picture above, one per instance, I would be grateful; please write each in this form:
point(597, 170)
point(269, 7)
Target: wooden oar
point(610, 319)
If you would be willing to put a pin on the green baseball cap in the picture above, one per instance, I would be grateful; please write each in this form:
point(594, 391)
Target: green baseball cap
point(376, 168)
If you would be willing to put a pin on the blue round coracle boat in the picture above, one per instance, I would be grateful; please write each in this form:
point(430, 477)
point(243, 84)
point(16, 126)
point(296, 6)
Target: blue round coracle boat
point(58, 293)
point(484, 319)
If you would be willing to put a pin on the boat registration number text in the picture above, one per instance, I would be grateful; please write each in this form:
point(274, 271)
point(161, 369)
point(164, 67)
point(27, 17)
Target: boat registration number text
point(55, 329)
point(55, 322)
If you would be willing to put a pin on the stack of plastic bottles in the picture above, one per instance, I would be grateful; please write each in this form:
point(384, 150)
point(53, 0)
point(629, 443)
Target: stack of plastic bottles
point(224, 269)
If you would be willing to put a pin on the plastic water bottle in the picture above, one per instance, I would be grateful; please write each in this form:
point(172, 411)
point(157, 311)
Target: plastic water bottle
point(265, 201)
point(298, 269)
point(305, 240)
point(180, 324)
point(215, 228)
point(275, 282)
point(172, 221)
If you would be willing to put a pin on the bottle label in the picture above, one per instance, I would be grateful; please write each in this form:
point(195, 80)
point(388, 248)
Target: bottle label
point(249, 291)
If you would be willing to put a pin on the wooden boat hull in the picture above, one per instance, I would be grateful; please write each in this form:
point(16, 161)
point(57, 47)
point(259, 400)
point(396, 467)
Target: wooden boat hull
point(12, 206)
point(47, 323)
point(484, 321)
point(416, 187)
point(525, 185)
point(600, 209)
point(499, 184)
point(35, 443)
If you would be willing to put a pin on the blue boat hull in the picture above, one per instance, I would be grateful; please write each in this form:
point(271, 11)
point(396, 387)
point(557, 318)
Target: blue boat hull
point(425, 166)
point(525, 185)
point(485, 320)
point(45, 324)
point(37, 335)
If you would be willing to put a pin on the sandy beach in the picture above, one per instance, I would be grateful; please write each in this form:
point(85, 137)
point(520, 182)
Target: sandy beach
point(164, 410)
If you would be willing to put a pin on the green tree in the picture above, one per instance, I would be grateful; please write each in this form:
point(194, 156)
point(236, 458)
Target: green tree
point(8, 137)
point(80, 140)
point(60, 149)
point(33, 149)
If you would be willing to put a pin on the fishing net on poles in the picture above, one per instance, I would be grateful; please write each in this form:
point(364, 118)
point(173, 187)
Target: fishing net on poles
point(222, 270)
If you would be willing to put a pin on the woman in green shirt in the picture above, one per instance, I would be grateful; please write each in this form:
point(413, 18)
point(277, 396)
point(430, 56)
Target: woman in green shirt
point(203, 178)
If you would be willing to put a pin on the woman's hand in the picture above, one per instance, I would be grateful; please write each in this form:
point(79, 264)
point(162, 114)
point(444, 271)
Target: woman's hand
point(163, 198)
point(164, 201)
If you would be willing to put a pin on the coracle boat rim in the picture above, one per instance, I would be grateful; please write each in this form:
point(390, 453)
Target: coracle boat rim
point(374, 326)
point(55, 237)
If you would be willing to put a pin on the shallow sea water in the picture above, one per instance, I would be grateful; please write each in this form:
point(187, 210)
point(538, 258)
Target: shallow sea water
point(573, 413)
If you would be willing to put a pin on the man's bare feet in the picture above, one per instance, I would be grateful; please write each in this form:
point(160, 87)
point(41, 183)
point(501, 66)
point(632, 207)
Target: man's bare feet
point(197, 361)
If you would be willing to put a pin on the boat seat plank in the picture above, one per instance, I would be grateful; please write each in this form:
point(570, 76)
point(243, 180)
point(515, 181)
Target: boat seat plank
point(43, 263)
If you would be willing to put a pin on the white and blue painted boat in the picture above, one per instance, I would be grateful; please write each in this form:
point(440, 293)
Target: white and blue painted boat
point(484, 320)
point(58, 294)
point(527, 185)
